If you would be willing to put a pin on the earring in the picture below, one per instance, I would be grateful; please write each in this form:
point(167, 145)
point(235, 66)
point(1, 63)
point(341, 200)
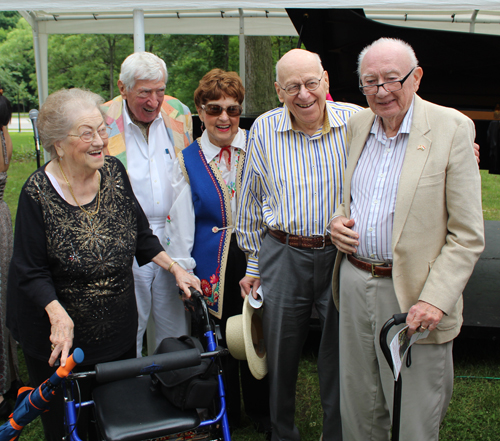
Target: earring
point(202, 127)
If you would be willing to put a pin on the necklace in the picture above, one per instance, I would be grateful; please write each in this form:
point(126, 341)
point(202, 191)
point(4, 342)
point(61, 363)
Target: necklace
point(88, 213)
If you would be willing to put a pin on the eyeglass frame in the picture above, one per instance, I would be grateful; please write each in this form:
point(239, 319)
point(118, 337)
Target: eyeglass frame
point(402, 80)
point(223, 109)
point(107, 131)
point(302, 84)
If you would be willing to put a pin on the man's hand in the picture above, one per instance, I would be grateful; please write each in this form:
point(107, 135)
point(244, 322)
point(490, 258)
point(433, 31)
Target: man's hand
point(249, 284)
point(342, 236)
point(422, 316)
point(476, 152)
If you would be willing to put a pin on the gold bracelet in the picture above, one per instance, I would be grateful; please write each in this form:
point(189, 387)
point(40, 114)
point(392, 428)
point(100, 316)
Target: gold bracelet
point(171, 265)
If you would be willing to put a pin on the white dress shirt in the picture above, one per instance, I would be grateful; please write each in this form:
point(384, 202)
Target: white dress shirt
point(150, 169)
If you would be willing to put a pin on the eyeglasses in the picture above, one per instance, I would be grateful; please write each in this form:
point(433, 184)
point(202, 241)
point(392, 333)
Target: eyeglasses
point(216, 110)
point(389, 86)
point(294, 89)
point(89, 136)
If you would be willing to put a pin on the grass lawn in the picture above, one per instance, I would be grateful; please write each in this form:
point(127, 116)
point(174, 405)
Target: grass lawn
point(474, 412)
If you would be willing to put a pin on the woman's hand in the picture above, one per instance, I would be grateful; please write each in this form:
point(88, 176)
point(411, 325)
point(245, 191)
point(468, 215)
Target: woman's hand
point(61, 332)
point(185, 280)
point(182, 277)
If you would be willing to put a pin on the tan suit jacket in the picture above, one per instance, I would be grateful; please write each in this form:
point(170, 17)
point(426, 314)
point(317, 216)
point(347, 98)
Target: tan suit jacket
point(438, 231)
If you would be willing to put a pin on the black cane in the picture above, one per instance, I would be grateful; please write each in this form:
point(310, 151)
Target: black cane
point(396, 319)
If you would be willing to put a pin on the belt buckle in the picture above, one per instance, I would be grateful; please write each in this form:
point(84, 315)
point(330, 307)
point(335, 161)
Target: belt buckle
point(374, 265)
point(324, 243)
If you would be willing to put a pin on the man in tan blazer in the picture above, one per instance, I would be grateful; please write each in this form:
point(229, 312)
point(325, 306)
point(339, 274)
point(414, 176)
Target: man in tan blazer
point(409, 233)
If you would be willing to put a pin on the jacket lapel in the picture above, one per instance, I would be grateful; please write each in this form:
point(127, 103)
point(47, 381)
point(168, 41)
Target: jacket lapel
point(417, 152)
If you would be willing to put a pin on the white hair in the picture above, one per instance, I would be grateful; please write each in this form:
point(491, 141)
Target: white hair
point(318, 58)
point(142, 66)
point(409, 50)
point(57, 114)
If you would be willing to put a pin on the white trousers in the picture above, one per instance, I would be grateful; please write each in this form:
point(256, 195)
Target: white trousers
point(156, 292)
point(367, 382)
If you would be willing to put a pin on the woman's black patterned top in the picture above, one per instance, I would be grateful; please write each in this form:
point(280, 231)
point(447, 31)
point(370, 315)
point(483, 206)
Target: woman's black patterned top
point(60, 253)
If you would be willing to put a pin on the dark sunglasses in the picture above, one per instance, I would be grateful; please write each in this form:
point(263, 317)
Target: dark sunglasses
point(215, 110)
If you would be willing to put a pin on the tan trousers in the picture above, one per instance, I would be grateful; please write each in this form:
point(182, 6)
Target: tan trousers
point(367, 383)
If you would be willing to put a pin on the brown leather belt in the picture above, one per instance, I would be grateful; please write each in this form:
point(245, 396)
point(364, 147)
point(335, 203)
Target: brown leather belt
point(314, 242)
point(376, 269)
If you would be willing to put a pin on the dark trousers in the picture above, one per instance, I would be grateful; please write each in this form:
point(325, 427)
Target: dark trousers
point(53, 421)
point(292, 281)
point(255, 392)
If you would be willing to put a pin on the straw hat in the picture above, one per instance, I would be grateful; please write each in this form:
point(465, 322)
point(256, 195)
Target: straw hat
point(245, 339)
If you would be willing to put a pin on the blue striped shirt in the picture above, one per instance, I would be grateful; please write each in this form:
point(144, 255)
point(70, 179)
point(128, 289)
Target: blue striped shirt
point(292, 181)
point(374, 188)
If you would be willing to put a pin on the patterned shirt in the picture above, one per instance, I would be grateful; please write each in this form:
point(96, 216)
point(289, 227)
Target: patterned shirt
point(374, 188)
point(292, 181)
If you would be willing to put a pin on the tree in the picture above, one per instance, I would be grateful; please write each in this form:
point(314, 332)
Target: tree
point(220, 48)
point(260, 94)
point(90, 61)
point(18, 76)
point(8, 20)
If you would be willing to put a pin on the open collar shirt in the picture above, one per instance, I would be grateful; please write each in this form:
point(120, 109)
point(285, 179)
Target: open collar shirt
point(150, 168)
point(292, 181)
point(374, 188)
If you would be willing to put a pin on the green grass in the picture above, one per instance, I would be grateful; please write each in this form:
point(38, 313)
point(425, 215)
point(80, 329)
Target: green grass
point(490, 186)
point(474, 412)
point(23, 163)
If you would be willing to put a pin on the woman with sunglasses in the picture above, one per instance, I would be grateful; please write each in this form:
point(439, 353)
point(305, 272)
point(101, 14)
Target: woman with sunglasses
point(78, 228)
point(206, 182)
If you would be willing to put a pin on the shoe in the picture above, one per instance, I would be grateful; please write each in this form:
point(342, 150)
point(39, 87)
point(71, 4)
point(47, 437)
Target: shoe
point(5, 409)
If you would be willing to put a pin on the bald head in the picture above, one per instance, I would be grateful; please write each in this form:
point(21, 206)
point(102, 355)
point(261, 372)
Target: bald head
point(294, 58)
point(307, 107)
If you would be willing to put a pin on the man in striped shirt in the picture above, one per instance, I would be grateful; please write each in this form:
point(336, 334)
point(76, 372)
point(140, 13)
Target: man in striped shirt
point(411, 229)
point(291, 187)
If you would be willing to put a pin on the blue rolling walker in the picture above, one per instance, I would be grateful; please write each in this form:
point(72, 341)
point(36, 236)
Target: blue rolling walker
point(127, 409)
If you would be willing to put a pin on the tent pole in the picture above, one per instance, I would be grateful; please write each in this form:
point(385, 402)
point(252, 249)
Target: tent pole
point(472, 27)
point(139, 40)
point(40, 47)
point(242, 53)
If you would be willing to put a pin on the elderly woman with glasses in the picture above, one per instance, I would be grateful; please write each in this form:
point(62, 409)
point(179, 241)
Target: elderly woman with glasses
point(206, 182)
point(78, 228)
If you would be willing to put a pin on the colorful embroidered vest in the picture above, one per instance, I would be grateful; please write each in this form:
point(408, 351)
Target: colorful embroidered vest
point(212, 207)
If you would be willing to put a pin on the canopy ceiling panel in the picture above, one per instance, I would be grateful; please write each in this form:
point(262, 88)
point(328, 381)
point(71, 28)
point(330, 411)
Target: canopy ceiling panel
point(117, 5)
point(261, 18)
point(208, 21)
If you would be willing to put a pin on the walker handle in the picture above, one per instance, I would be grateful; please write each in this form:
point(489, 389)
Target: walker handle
point(121, 369)
point(63, 371)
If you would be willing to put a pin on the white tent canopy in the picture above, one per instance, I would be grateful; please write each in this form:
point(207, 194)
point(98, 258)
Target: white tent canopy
point(250, 17)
